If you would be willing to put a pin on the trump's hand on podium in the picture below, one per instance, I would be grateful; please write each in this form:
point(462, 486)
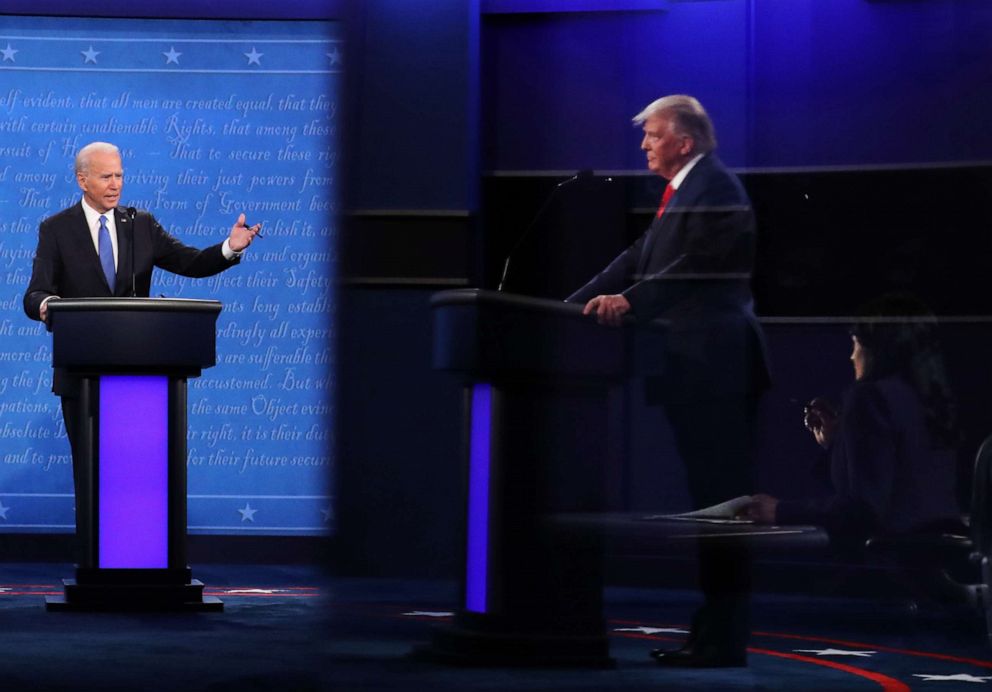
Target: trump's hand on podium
point(241, 235)
point(608, 310)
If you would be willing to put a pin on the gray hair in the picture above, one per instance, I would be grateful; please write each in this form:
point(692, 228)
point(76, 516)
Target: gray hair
point(83, 156)
point(688, 117)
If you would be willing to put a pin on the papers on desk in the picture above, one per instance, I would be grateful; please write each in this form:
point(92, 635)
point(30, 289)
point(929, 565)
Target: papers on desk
point(722, 513)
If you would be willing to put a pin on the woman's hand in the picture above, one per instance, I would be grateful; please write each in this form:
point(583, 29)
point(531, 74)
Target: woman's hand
point(762, 509)
point(821, 419)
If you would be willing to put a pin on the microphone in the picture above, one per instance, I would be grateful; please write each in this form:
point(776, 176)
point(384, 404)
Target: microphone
point(131, 213)
point(584, 174)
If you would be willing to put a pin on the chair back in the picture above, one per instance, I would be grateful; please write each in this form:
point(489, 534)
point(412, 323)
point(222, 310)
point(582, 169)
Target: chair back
point(981, 499)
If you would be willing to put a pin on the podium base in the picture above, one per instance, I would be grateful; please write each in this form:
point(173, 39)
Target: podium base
point(109, 597)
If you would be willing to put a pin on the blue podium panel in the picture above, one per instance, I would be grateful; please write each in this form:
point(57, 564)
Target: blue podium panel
point(133, 472)
point(480, 459)
point(214, 119)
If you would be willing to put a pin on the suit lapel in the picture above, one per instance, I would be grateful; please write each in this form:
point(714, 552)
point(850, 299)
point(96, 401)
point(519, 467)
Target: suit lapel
point(662, 229)
point(655, 231)
point(82, 245)
point(124, 234)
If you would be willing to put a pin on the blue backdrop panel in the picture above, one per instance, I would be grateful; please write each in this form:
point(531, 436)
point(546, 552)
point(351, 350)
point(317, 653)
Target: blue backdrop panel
point(797, 83)
point(213, 119)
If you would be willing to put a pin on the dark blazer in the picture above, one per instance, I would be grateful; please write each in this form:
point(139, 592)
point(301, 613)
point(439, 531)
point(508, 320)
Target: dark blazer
point(66, 263)
point(693, 267)
point(889, 475)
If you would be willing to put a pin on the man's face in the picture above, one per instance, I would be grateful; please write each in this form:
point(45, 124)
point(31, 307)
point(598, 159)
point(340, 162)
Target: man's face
point(666, 151)
point(102, 181)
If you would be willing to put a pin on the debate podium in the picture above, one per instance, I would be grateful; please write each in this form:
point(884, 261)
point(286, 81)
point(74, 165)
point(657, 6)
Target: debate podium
point(132, 358)
point(538, 378)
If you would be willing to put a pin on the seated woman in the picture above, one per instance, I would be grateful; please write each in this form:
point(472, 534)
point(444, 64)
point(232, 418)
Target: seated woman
point(891, 452)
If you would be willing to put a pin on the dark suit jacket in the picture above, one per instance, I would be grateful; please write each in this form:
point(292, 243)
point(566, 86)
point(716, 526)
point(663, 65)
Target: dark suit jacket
point(66, 263)
point(888, 473)
point(693, 267)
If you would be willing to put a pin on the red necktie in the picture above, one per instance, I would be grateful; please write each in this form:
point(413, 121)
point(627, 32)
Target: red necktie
point(669, 193)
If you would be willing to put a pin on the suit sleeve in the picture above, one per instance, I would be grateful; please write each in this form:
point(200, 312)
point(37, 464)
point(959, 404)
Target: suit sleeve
point(174, 256)
point(717, 246)
point(615, 278)
point(46, 272)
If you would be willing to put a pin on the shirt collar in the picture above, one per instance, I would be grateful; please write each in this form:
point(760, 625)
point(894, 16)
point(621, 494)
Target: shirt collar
point(93, 216)
point(677, 179)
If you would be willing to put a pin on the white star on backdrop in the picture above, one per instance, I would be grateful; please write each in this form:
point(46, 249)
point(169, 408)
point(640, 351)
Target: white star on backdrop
point(430, 613)
point(172, 57)
point(90, 55)
point(8, 53)
point(327, 514)
point(836, 652)
point(335, 56)
point(253, 57)
point(651, 630)
point(247, 513)
point(959, 677)
point(3, 511)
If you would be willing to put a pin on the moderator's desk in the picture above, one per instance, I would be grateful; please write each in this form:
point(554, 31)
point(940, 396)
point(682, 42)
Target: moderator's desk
point(651, 532)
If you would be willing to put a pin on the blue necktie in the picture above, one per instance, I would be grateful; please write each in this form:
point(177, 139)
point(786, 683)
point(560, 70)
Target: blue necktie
point(107, 254)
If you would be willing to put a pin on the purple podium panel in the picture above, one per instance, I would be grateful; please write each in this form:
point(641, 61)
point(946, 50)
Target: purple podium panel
point(477, 554)
point(133, 472)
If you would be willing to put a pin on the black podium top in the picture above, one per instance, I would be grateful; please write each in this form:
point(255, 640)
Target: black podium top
point(486, 332)
point(133, 333)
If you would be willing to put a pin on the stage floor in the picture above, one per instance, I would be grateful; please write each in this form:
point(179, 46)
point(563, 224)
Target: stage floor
point(290, 628)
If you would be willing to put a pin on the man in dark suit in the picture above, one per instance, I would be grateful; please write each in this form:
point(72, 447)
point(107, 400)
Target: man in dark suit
point(693, 268)
point(85, 251)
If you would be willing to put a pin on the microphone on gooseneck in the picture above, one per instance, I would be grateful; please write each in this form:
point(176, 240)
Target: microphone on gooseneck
point(131, 213)
point(584, 174)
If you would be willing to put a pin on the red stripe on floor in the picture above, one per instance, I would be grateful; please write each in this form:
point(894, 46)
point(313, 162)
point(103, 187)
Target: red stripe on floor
point(879, 647)
point(888, 684)
point(843, 642)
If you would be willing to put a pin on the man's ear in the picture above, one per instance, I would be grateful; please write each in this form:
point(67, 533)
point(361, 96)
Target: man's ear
point(688, 146)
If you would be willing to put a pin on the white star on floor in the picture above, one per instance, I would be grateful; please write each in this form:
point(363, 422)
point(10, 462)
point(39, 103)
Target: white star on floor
point(8, 53)
point(836, 652)
point(959, 677)
point(172, 56)
point(253, 57)
point(247, 513)
point(90, 55)
point(335, 56)
point(430, 613)
point(3, 511)
point(651, 630)
point(5, 589)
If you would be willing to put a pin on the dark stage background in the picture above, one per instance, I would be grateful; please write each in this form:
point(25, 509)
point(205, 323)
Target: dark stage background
point(857, 126)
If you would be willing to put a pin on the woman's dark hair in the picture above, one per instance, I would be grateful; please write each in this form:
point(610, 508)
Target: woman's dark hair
point(899, 334)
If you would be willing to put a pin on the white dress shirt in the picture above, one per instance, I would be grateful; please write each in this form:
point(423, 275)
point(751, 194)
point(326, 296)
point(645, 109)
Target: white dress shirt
point(93, 221)
point(684, 171)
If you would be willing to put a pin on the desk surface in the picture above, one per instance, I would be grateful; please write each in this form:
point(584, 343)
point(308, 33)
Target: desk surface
point(649, 529)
